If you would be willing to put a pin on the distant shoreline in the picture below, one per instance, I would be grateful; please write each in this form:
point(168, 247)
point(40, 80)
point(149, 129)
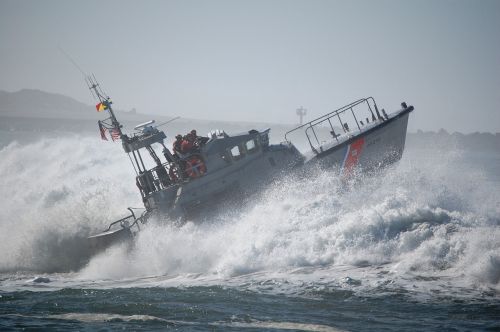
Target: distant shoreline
point(14, 128)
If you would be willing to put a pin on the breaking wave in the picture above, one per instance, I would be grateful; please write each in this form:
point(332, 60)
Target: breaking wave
point(55, 192)
point(430, 217)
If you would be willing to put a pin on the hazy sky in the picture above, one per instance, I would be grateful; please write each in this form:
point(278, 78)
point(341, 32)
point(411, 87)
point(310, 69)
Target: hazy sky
point(260, 60)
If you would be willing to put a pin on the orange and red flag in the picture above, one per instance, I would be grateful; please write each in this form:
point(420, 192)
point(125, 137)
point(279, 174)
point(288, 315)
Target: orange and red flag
point(100, 107)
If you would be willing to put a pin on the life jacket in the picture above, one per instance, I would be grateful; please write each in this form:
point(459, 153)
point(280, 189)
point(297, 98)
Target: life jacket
point(186, 146)
point(195, 167)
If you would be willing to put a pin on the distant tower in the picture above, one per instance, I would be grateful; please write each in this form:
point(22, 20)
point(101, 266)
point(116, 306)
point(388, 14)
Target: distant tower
point(301, 112)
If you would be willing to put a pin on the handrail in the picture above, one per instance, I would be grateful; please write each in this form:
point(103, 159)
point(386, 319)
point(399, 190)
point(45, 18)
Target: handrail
point(333, 113)
point(155, 181)
point(120, 221)
point(132, 215)
point(309, 126)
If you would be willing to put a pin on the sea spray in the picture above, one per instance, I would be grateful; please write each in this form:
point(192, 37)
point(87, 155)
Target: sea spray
point(55, 193)
point(429, 217)
point(411, 218)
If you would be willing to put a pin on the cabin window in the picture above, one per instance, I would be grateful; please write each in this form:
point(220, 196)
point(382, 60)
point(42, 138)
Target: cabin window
point(236, 152)
point(250, 146)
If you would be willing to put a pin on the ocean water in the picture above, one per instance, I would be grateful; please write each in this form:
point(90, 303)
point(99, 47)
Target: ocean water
point(415, 246)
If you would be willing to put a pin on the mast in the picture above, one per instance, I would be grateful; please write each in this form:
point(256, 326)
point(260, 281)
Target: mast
point(106, 102)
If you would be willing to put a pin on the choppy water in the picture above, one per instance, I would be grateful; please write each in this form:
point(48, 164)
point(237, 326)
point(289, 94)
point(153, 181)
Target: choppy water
point(413, 247)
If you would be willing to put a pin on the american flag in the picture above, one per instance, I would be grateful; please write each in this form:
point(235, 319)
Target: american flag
point(115, 133)
point(102, 130)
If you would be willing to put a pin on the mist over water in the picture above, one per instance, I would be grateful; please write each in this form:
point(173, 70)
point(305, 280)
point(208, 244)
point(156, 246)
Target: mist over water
point(429, 222)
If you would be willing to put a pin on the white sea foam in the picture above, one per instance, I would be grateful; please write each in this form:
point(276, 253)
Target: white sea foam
point(54, 193)
point(429, 217)
point(281, 326)
point(99, 317)
point(107, 318)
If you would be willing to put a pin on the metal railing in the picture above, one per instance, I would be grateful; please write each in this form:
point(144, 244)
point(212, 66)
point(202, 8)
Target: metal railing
point(124, 222)
point(310, 128)
point(167, 174)
point(155, 179)
point(131, 220)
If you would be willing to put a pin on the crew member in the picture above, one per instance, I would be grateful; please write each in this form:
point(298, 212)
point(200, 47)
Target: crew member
point(199, 140)
point(187, 145)
point(177, 146)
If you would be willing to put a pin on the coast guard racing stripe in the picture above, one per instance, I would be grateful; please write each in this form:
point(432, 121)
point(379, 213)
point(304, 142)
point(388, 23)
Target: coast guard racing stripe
point(352, 156)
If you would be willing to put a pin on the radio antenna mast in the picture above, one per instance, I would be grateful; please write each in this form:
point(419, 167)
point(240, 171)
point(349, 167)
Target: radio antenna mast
point(104, 100)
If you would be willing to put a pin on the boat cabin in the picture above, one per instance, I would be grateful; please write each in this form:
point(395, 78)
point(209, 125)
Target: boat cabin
point(216, 164)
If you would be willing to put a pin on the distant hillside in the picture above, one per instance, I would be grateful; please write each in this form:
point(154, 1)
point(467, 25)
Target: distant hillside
point(38, 112)
point(443, 140)
point(38, 104)
point(42, 106)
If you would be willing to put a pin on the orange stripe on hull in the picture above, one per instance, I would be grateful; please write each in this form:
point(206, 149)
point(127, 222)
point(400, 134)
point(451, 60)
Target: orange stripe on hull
point(352, 156)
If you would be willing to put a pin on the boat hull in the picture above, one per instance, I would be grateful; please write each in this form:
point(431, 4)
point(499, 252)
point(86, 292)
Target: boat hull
point(101, 241)
point(376, 147)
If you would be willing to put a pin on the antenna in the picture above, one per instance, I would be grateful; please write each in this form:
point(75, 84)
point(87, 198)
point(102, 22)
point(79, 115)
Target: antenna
point(91, 88)
point(71, 60)
point(171, 120)
point(104, 99)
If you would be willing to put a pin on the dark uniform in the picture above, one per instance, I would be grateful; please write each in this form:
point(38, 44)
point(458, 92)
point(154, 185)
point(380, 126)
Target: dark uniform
point(177, 144)
point(199, 140)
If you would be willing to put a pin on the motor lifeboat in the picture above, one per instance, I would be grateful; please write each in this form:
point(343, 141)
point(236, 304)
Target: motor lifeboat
point(228, 167)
